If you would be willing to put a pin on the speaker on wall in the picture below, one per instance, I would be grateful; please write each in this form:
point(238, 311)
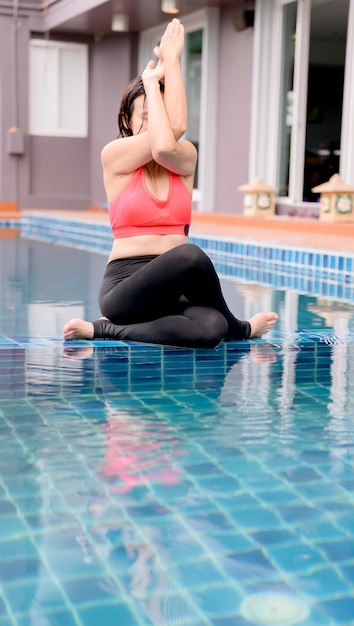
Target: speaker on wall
point(243, 20)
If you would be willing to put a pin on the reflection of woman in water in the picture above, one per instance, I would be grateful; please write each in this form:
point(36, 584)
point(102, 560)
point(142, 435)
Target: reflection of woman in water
point(158, 288)
point(142, 467)
point(134, 456)
point(139, 447)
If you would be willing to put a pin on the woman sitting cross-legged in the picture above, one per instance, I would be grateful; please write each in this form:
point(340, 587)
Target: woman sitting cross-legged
point(157, 287)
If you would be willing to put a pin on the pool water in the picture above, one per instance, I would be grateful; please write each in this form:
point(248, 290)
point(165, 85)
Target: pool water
point(144, 485)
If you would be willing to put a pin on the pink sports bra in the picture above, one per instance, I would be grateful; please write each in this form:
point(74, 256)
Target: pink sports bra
point(137, 212)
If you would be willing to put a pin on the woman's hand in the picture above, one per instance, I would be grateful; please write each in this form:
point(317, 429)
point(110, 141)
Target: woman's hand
point(153, 71)
point(172, 41)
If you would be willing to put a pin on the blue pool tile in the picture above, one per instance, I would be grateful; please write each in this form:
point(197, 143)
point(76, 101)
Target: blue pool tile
point(237, 501)
point(303, 514)
point(123, 557)
point(317, 617)
point(3, 611)
point(194, 574)
point(323, 529)
point(49, 618)
point(241, 467)
point(109, 615)
point(175, 606)
point(61, 541)
point(54, 518)
point(21, 547)
point(81, 564)
point(11, 527)
point(339, 551)
point(211, 522)
point(279, 496)
point(348, 572)
point(346, 520)
point(255, 518)
point(21, 597)
point(26, 567)
point(96, 589)
point(297, 557)
point(227, 543)
point(258, 480)
point(234, 620)
point(273, 537)
point(7, 507)
point(184, 549)
point(218, 601)
point(340, 609)
point(173, 492)
point(248, 565)
point(322, 583)
point(219, 484)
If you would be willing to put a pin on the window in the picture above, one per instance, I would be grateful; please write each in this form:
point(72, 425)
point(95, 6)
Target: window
point(304, 68)
point(58, 86)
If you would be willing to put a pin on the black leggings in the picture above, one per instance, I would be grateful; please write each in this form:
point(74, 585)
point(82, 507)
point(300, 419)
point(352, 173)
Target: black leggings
point(171, 299)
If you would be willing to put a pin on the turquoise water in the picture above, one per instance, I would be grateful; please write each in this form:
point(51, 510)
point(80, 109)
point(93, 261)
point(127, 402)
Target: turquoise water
point(142, 485)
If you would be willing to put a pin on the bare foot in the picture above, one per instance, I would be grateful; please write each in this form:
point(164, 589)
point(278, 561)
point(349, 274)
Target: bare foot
point(78, 329)
point(262, 323)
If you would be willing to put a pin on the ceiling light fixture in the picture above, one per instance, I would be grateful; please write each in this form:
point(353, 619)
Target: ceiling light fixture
point(170, 6)
point(120, 22)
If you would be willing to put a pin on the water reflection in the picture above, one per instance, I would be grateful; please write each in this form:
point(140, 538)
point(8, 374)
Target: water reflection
point(162, 405)
point(37, 297)
point(151, 472)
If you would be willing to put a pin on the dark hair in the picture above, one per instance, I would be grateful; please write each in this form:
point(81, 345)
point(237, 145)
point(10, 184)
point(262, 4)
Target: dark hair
point(133, 91)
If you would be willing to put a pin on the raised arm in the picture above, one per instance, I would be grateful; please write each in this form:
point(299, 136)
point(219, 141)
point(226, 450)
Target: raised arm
point(177, 156)
point(167, 113)
point(127, 154)
point(156, 121)
point(169, 52)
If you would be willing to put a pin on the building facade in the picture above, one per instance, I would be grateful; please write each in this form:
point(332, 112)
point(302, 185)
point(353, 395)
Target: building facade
point(269, 87)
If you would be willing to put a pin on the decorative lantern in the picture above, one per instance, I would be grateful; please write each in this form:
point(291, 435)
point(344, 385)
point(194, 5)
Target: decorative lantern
point(336, 200)
point(259, 198)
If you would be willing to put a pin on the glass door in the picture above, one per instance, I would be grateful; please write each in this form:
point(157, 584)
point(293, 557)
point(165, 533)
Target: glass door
point(193, 82)
point(286, 109)
point(304, 78)
point(326, 69)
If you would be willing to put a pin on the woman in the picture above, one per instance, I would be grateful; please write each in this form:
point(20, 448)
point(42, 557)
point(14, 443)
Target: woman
point(157, 287)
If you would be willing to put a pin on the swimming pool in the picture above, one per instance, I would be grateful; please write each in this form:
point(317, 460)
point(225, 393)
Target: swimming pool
point(142, 485)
